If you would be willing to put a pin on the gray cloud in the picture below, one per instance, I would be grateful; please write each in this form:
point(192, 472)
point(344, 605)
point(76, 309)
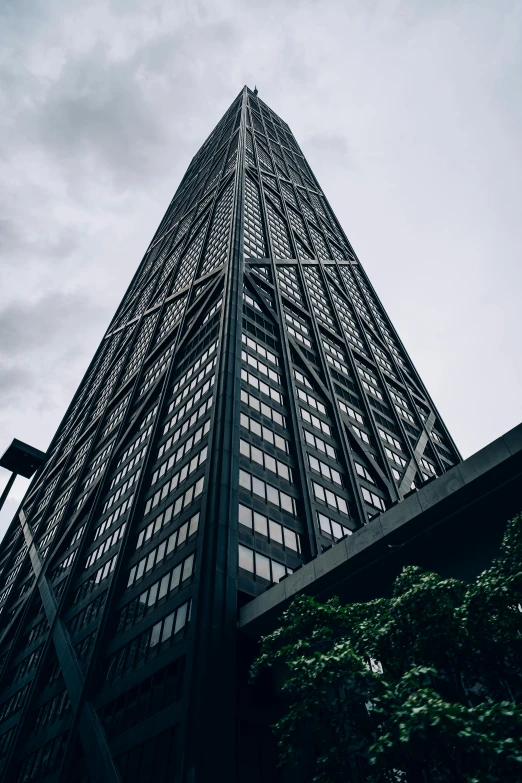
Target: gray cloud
point(31, 326)
point(409, 115)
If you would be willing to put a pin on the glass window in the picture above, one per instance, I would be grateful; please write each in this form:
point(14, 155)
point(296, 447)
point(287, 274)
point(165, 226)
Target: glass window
point(290, 539)
point(246, 559)
point(182, 534)
point(188, 567)
point(155, 634)
point(175, 578)
point(167, 626)
point(164, 586)
point(245, 516)
point(258, 487)
point(262, 566)
point(270, 463)
point(181, 617)
point(272, 495)
point(278, 571)
point(260, 524)
point(276, 532)
point(244, 479)
point(153, 593)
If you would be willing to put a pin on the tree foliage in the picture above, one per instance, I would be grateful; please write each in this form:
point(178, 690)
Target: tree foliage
point(422, 687)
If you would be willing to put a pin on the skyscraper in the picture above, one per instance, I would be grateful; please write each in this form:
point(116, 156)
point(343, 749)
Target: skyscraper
point(250, 404)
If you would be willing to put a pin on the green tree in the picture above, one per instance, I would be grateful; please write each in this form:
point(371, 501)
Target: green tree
point(422, 687)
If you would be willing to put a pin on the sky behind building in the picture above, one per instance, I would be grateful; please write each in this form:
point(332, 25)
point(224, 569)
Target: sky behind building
point(410, 117)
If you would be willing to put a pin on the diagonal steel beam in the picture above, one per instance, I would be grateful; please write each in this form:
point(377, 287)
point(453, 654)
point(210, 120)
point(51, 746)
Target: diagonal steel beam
point(92, 736)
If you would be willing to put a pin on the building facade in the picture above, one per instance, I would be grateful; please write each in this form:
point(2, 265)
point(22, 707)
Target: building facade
point(249, 405)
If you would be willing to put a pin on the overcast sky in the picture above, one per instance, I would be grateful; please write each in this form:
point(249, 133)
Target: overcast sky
point(408, 112)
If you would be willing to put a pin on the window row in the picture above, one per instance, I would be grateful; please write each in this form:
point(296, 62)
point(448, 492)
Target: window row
point(300, 333)
point(331, 528)
point(395, 457)
point(128, 467)
point(155, 371)
point(213, 310)
point(390, 439)
point(260, 349)
point(268, 530)
point(405, 415)
point(101, 457)
point(361, 434)
point(265, 460)
point(311, 401)
point(372, 390)
point(63, 565)
point(151, 642)
point(178, 478)
point(373, 499)
point(329, 348)
point(429, 467)
point(337, 364)
point(188, 405)
point(134, 706)
point(363, 473)
point(107, 544)
point(263, 408)
point(264, 432)
point(163, 551)
point(54, 709)
point(95, 579)
point(330, 498)
point(267, 492)
point(366, 375)
point(88, 613)
point(249, 300)
point(136, 444)
point(44, 760)
point(198, 414)
point(325, 470)
point(349, 411)
point(92, 477)
point(195, 367)
point(289, 283)
point(145, 603)
point(38, 630)
point(263, 568)
point(28, 664)
point(320, 445)
point(261, 386)
point(181, 452)
point(318, 296)
point(116, 514)
point(161, 521)
point(205, 371)
point(300, 378)
point(121, 491)
point(319, 424)
point(261, 367)
point(14, 703)
point(398, 399)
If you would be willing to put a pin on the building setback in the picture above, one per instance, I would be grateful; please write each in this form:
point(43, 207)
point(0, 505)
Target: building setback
point(249, 405)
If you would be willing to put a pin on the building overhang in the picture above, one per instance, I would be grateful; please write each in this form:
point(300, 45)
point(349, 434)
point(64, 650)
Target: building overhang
point(453, 525)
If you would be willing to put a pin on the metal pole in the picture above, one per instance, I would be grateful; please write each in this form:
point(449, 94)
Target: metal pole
point(7, 489)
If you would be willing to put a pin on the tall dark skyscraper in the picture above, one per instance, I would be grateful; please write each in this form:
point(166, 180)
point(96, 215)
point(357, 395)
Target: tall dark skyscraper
point(250, 404)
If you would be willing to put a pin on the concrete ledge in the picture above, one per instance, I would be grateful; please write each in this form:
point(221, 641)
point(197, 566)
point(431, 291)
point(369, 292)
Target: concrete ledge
point(453, 525)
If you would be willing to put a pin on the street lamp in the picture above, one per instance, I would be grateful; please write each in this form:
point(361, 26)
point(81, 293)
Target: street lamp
point(21, 459)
